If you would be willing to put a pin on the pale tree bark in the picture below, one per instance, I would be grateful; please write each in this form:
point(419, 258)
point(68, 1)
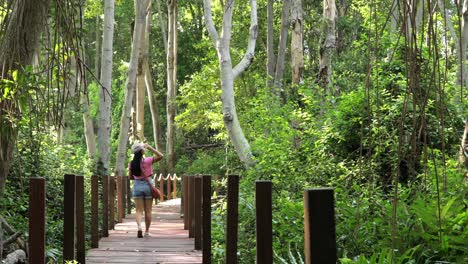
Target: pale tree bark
point(19, 41)
point(149, 84)
point(279, 68)
point(270, 45)
point(140, 13)
point(105, 98)
point(297, 53)
point(162, 24)
point(229, 74)
point(140, 88)
point(171, 83)
point(463, 81)
point(97, 45)
point(105, 93)
point(327, 47)
point(88, 127)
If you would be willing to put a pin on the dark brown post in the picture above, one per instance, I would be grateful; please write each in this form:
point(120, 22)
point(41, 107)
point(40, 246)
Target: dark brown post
point(232, 219)
point(161, 186)
point(36, 221)
point(191, 206)
point(174, 187)
point(129, 196)
point(105, 205)
point(80, 220)
point(168, 183)
point(69, 218)
point(206, 214)
point(319, 224)
point(185, 200)
point(111, 202)
point(264, 222)
point(183, 180)
point(198, 216)
point(94, 212)
point(124, 195)
point(120, 209)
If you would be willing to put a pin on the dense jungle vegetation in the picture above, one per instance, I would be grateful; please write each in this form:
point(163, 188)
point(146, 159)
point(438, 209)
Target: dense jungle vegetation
point(378, 110)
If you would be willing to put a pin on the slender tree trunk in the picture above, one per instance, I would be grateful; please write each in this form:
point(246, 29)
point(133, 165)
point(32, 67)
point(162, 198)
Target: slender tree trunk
point(88, 127)
point(229, 74)
point(149, 85)
point(141, 87)
point(270, 46)
point(297, 57)
point(162, 24)
point(19, 42)
point(463, 80)
point(140, 14)
point(97, 46)
point(105, 93)
point(341, 33)
point(171, 83)
point(327, 46)
point(282, 50)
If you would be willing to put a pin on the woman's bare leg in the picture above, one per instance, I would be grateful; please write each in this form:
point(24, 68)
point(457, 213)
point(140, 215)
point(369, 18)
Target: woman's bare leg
point(139, 203)
point(148, 211)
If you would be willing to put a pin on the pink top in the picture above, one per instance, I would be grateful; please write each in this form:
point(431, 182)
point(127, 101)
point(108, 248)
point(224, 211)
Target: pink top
point(146, 168)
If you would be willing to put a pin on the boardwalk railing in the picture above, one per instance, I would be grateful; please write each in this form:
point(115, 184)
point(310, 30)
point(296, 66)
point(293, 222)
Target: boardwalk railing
point(319, 216)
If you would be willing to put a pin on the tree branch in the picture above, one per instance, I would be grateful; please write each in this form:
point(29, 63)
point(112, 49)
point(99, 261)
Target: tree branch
point(209, 22)
point(249, 53)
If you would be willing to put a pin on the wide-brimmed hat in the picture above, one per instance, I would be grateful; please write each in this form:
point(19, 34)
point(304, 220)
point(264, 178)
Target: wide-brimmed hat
point(137, 147)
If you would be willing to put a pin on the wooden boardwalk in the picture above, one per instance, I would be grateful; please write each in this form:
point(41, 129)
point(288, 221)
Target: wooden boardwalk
point(168, 243)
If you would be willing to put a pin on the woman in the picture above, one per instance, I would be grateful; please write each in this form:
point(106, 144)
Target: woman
point(139, 169)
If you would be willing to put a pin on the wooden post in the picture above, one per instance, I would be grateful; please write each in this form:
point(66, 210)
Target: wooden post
point(232, 219)
point(174, 187)
point(124, 196)
point(105, 205)
point(80, 220)
point(264, 222)
point(198, 216)
point(94, 211)
point(185, 200)
point(120, 208)
point(168, 183)
point(111, 202)
point(191, 206)
point(161, 186)
point(129, 196)
point(206, 215)
point(36, 221)
point(69, 218)
point(319, 224)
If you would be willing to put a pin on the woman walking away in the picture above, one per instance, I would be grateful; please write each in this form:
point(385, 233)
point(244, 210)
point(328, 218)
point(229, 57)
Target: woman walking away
point(139, 169)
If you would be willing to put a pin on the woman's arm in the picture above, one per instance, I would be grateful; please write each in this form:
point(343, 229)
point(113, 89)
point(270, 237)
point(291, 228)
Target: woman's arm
point(155, 151)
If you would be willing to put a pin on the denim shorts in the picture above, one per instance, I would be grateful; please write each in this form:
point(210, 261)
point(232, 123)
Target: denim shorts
point(141, 189)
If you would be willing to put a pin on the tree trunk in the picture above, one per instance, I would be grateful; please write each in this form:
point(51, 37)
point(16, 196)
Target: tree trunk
point(88, 127)
point(327, 46)
point(141, 87)
point(229, 74)
point(171, 83)
point(97, 46)
point(297, 57)
point(162, 25)
point(270, 46)
point(282, 50)
point(105, 93)
point(140, 14)
point(149, 84)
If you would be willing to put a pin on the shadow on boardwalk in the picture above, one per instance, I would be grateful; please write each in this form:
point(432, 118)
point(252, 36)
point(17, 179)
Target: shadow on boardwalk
point(169, 242)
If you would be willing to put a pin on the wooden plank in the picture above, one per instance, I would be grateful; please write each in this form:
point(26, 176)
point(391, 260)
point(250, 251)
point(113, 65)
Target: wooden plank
point(206, 215)
point(80, 220)
point(232, 219)
point(69, 218)
point(94, 211)
point(264, 222)
point(168, 243)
